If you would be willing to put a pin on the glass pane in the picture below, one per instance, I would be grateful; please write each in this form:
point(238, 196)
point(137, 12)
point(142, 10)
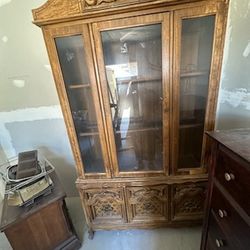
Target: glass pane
point(196, 52)
point(133, 60)
point(75, 74)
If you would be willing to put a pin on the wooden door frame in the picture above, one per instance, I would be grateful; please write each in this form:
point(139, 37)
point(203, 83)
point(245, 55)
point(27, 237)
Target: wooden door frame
point(219, 10)
point(164, 19)
point(65, 30)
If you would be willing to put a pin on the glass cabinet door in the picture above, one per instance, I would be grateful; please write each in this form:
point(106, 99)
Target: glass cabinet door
point(133, 71)
point(80, 91)
point(196, 45)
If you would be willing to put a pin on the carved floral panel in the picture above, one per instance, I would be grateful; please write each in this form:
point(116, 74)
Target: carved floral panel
point(188, 200)
point(146, 202)
point(106, 204)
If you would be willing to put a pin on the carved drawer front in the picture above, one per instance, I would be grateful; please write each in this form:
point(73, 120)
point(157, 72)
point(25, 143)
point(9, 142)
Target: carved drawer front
point(106, 205)
point(188, 201)
point(147, 203)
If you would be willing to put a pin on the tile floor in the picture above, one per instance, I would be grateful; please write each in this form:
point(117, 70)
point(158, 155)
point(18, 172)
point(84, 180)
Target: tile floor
point(157, 239)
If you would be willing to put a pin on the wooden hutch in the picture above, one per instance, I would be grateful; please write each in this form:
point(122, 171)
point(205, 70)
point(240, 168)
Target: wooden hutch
point(138, 83)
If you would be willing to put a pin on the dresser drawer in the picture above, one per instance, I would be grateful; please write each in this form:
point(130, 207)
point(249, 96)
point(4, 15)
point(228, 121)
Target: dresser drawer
point(216, 239)
point(233, 174)
point(231, 222)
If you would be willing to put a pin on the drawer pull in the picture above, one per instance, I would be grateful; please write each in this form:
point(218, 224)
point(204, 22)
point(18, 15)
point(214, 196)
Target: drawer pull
point(219, 243)
point(229, 177)
point(222, 213)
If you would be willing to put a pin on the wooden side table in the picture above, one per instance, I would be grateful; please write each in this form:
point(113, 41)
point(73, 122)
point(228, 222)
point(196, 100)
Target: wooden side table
point(44, 225)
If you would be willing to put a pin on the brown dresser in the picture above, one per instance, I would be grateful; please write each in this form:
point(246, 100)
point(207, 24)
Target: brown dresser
point(227, 219)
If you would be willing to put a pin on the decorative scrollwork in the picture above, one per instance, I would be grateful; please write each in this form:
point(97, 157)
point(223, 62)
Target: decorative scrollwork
point(97, 2)
point(147, 194)
point(94, 198)
point(189, 198)
point(148, 200)
point(106, 203)
point(58, 9)
point(107, 208)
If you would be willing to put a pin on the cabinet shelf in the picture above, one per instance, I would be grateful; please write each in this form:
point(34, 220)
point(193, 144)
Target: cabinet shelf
point(193, 125)
point(78, 86)
point(194, 73)
point(140, 80)
point(138, 130)
point(85, 134)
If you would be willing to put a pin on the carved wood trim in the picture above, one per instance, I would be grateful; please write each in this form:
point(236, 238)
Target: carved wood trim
point(56, 9)
point(145, 203)
point(96, 2)
point(147, 194)
point(95, 198)
point(105, 206)
point(188, 200)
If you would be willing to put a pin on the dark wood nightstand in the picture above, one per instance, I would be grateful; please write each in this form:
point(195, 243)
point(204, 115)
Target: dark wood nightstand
point(42, 225)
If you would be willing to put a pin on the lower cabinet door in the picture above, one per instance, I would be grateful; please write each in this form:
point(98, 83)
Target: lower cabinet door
point(188, 201)
point(105, 206)
point(147, 204)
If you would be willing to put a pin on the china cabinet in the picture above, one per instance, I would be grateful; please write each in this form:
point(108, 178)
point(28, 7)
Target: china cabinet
point(137, 82)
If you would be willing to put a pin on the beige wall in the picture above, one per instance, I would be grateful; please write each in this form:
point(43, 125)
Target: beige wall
point(30, 115)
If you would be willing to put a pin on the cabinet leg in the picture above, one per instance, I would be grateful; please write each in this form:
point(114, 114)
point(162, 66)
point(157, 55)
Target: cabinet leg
point(91, 234)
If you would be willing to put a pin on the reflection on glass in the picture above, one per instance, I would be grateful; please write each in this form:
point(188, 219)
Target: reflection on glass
point(75, 74)
point(133, 63)
point(196, 51)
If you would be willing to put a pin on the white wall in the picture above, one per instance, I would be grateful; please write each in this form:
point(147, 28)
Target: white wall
point(30, 115)
point(234, 98)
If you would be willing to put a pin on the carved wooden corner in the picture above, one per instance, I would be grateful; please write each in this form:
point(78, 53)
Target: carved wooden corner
point(57, 9)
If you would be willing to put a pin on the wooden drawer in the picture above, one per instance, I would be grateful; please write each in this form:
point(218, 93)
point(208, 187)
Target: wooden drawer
point(147, 203)
point(216, 238)
point(105, 206)
point(230, 220)
point(233, 174)
point(188, 201)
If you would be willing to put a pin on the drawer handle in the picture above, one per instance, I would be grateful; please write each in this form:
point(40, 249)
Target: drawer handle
point(222, 213)
point(229, 177)
point(219, 243)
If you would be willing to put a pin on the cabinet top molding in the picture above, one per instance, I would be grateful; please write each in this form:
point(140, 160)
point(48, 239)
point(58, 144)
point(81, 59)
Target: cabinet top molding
point(55, 11)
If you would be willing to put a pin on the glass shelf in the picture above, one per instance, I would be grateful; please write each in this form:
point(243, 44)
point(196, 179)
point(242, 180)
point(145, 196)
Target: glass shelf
point(194, 74)
point(78, 86)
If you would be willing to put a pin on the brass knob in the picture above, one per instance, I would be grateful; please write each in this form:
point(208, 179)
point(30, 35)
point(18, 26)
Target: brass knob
point(229, 177)
point(219, 243)
point(222, 213)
